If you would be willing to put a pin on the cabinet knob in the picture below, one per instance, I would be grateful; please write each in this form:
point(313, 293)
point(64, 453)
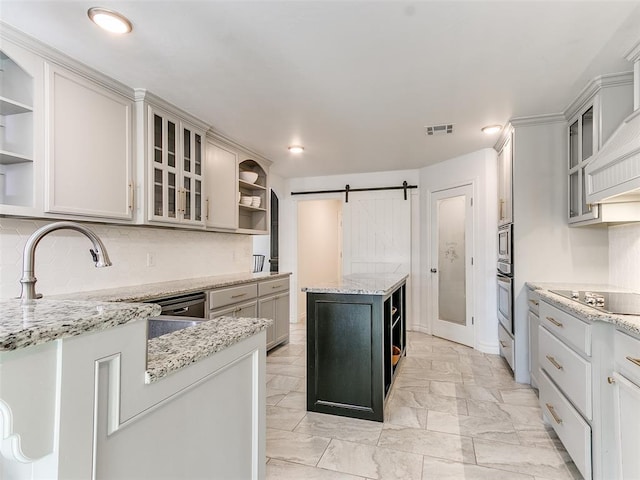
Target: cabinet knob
point(611, 380)
point(434, 270)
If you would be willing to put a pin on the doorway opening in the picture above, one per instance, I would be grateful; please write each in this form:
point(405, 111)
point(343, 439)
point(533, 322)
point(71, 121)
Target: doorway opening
point(319, 245)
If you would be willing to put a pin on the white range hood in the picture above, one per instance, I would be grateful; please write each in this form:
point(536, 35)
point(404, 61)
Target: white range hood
point(614, 174)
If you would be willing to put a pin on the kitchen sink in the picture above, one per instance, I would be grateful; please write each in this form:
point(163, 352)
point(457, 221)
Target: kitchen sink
point(162, 326)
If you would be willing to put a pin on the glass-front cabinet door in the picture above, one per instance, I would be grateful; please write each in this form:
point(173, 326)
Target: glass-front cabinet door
point(191, 175)
point(581, 149)
point(177, 152)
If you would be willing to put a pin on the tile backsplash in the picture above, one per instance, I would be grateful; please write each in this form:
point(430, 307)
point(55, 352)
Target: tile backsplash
point(624, 256)
point(64, 265)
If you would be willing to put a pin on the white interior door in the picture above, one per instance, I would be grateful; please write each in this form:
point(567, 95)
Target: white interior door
point(452, 260)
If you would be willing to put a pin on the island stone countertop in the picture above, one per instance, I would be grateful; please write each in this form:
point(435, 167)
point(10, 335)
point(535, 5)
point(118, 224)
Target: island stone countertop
point(629, 323)
point(361, 284)
point(45, 320)
point(176, 350)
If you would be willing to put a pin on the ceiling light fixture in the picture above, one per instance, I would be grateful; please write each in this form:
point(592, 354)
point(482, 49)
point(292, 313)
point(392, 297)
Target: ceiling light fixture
point(491, 129)
point(110, 21)
point(296, 148)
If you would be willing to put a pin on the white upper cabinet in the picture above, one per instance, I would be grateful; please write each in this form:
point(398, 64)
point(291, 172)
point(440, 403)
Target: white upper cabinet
point(505, 181)
point(221, 192)
point(89, 156)
point(592, 118)
point(172, 156)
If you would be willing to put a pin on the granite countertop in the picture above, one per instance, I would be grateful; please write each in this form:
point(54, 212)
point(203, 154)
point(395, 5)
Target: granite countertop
point(149, 291)
point(176, 350)
point(68, 315)
point(44, 320)
point(630, 323)
point(361, 284)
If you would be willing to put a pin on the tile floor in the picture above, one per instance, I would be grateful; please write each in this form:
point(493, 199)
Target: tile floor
point(453, 413)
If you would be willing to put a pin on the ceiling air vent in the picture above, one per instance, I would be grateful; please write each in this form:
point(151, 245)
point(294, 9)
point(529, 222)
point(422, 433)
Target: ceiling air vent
point(443, 129)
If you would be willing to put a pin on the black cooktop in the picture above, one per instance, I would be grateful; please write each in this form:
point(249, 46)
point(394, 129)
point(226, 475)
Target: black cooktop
point(619, 303)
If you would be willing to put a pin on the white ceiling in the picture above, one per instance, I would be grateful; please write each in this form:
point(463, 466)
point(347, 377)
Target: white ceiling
point(354, 82)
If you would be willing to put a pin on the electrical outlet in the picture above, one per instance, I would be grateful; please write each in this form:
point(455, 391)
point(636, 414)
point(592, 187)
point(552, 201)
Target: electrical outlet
point(151, 260)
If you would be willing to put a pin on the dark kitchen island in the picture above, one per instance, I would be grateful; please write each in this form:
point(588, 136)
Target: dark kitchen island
point(356, 336)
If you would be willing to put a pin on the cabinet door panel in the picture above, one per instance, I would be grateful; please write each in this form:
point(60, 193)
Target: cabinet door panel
point(627, 425)
point(282, 318)
point(221, 172)
point(90, 151)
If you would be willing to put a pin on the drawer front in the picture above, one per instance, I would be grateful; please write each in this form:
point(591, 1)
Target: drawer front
point(533, 300)
point(627, 356)
point(228, 296)
point(244, 310)
point(572, 330)
point(273, 286)
point(570, 372)
point(506, 345)
point(571, 428)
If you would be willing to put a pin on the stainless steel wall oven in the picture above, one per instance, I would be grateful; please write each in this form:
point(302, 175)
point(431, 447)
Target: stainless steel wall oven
point(505, 277)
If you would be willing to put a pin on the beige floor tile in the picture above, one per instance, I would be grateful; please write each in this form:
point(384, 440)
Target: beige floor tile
point(295, 400)
point(281, 470)
point(290, 370)
point(545, 462)
point(370, 461)
point(295, 447)
point(283, 418)
point(274, 396)
point(406, 416)
point(477, 427)
point(520, 396)
point(424, 442)
point(422, 399)
point(343, 428)
point(285, 383)
point(440, 469)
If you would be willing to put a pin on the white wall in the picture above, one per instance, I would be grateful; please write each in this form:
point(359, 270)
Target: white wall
point(624, 256)
point(546, 249)
point(479, 169)
point(64, 265)
point(319, 245)
point(288, 224)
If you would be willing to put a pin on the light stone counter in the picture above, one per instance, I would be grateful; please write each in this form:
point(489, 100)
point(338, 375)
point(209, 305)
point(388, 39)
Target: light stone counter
point(45, 320)
point(149, 291)
point(630, 323)
point(176, 350)
point(361, 284)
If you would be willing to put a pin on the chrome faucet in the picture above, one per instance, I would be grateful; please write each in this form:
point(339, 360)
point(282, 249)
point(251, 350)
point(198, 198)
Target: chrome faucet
point(28, 281)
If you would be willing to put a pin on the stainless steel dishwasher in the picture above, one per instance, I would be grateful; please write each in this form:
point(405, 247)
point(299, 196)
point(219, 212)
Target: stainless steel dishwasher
point(178, 312)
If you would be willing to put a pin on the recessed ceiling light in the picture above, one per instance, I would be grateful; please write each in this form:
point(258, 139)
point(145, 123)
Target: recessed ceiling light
point(110, 21)
point(296, 148)
point(491, 129)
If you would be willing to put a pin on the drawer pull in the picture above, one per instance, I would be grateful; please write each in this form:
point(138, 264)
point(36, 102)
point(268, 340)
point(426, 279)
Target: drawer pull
point(611, 380)
point(534, 302)
point(555, 322)
point(239, 295)
point(635, 361)
point(554, 362)
point(553, 413)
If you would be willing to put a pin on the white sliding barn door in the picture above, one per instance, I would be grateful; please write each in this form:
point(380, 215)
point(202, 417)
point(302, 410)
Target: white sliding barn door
point(377, 233)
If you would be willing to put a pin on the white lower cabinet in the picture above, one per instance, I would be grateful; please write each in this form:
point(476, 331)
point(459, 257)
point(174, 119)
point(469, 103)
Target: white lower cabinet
point(274, 304)
point(626, 393)
point(534, 321)
point(506, 346)
point(572, 429)
point(565, 381)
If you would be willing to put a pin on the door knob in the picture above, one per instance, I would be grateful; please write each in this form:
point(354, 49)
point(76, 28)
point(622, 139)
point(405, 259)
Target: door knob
point(434, 270)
